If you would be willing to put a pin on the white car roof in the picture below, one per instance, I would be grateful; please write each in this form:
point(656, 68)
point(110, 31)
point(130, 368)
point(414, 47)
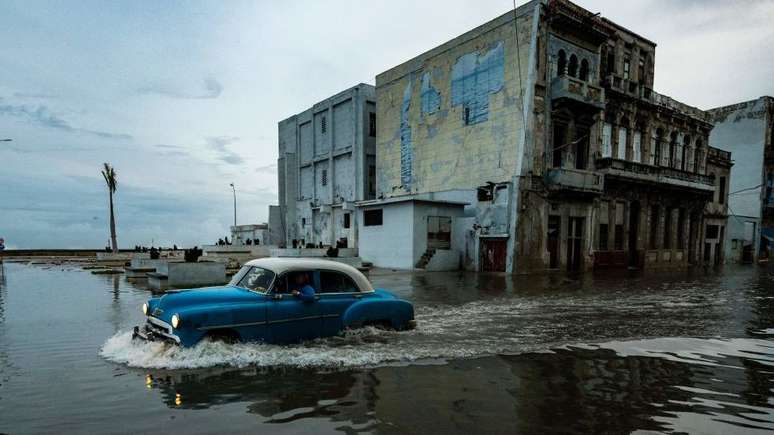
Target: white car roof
point(282, 265)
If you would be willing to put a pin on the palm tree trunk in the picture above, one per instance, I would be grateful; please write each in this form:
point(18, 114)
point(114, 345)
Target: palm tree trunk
point(113, 240)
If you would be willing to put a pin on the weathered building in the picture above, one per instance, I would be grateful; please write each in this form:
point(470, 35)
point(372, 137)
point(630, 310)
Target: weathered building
point(747, 130)
point(327, 163)
point(544, 124)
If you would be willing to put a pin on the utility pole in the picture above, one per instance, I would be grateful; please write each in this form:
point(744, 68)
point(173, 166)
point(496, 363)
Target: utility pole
point(234, 189)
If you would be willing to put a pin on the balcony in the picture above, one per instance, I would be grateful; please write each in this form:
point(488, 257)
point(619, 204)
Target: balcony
point(642, 92)
point(574, 180)
point(648, 174)
point(576, 90)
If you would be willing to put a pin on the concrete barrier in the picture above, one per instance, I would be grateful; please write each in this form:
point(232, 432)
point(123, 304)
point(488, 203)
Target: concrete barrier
point(178, 274)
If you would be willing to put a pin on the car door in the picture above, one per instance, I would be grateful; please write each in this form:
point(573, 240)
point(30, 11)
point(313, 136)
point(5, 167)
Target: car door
point(290, 319)
point(337, 293)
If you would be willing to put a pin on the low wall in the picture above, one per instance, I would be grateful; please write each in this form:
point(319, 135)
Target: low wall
point(180, 274)
point(313, 252)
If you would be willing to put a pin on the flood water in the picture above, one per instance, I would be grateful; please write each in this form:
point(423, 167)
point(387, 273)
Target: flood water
point(684, 352)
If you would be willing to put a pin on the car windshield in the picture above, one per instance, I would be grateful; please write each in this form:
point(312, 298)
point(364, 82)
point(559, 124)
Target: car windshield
point(253, 278)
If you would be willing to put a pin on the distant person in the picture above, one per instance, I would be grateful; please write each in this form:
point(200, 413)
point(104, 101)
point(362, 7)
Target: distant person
point(2, 244)
point(303, 290)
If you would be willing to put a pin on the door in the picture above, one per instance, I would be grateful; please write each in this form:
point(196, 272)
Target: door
point(493, 255)
point(337, 293)
point(575, 244)
point(634, 228)
point(291, 319)
point(554, 229)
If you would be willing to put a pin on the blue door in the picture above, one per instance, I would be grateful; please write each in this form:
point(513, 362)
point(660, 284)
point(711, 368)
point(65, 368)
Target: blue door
point(338, 292)
point(290, 319)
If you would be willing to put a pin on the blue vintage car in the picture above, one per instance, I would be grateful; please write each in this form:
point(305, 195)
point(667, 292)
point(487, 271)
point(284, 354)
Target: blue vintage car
point(262, 303)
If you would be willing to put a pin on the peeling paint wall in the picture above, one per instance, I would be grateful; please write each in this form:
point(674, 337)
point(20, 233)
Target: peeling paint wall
point(424, 142)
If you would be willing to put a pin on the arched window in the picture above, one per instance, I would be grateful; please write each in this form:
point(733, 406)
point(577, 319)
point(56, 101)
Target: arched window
point(584, 70)
point(658, 141)
point(686, 154)
point(573, 68)
point(697, 156)
point(561, 66)
point(673, 149)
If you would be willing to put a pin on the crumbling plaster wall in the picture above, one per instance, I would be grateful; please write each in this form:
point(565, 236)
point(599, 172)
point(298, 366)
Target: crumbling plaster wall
point(424, 141)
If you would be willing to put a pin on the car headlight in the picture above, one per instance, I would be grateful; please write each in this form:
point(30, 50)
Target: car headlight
point(145, 308)
point(175, 321)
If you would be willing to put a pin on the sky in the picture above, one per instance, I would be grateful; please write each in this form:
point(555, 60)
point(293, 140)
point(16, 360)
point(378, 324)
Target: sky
point(183, 97)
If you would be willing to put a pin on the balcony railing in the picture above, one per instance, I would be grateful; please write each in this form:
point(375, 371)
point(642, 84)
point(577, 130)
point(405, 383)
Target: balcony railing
point(639, 90)
point(718, 154)
point(578, 90)
point(655, 174)
point(558, 179)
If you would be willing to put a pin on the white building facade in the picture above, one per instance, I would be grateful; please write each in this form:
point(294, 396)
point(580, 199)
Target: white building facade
point(326, 164)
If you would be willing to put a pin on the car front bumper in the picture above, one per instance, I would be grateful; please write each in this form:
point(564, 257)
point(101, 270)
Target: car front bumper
point(155, 330)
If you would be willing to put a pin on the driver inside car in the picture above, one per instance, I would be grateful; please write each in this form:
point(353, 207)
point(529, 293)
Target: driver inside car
point(302, 289)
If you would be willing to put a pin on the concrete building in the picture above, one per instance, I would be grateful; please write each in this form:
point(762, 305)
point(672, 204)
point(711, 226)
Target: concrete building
point(747, 130)
point(257, 234)
point(326, 164)
point(543, 125)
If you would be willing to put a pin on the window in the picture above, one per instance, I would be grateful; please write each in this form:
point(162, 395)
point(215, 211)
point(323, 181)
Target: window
point(559, 135)
point(572, 70)
point(372, 124)
point(372, 218)
point(372, 180)
point(654, 218)
point(561, 65)
point(324, 177)
point(712, 231)
point(673, 150)
point(323, 124)
point(686, 146)
point(603, 236)
point(607, 140)
point(637, 147)
point(697, 156)
point(581, 147)
point(627, 68)
point(584, 70)
point(668, 229)
point(466, 116)
point(347, 222)
point(439, 232)
point(485, 193)
point(657, 144)
point(256, 279)
point(611, 61)
point(335, 282)
point(722, 191)
point(623, 135)
point(303, 222)
point(641, 71)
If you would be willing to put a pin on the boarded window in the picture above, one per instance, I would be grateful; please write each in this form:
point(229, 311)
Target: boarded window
point(372, 218)
point(439, 232)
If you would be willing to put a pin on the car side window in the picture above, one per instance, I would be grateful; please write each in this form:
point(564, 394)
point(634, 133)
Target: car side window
point(281, 285)
point(335, 282)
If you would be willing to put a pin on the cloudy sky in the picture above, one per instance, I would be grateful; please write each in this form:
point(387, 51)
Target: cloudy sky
point(184, 97)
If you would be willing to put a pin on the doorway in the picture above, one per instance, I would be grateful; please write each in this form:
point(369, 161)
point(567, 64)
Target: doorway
point(575, 244)
point(634, 230)
point(493, 253)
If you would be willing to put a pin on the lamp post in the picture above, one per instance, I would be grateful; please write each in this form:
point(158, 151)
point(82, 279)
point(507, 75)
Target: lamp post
point(234, 189)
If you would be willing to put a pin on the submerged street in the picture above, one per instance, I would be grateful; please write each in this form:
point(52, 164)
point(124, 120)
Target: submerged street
point(680, 352)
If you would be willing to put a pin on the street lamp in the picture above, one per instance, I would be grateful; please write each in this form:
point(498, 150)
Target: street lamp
point(234, 189)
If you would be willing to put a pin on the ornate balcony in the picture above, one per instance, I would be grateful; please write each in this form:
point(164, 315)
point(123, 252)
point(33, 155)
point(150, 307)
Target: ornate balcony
point(574, 90)
point(648, 174)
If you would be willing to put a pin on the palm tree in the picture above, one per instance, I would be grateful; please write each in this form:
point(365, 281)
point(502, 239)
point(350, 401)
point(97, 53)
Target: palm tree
point(111, 179)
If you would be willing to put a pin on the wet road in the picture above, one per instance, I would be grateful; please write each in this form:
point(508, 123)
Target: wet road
point(491, 354)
